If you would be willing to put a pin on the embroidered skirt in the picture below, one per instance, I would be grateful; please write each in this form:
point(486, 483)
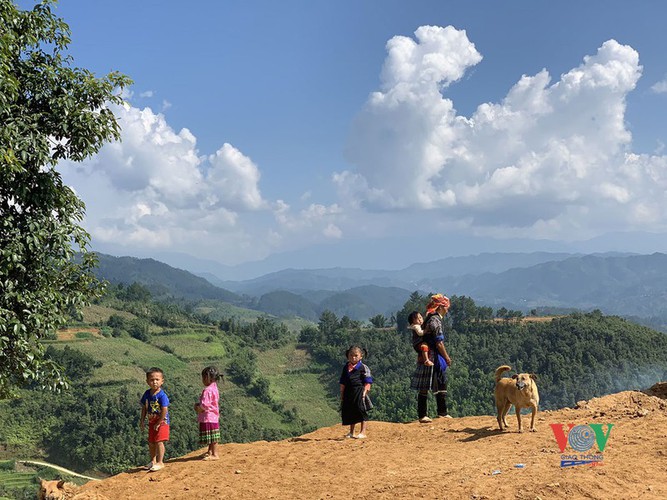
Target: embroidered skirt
point(209, 432)
point(428, 378)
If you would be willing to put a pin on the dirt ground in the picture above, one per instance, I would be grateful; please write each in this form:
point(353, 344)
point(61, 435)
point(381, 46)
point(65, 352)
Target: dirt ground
point(70, 333)
point(449, 458)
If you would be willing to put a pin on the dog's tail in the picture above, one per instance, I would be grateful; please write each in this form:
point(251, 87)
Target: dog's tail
point(500, 370)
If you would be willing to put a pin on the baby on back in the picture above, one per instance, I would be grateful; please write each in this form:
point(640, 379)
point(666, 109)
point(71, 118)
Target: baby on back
point(415, 321)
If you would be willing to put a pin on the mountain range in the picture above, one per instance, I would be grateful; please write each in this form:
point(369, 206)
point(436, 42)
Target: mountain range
point(623, 284)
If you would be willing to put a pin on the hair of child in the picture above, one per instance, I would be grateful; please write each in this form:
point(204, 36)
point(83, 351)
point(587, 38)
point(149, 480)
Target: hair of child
point(412, 317)
point(355, 348)
point(211, 373)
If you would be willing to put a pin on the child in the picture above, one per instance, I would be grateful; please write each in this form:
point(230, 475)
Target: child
point(208, 413)
point(355, 383)
point(416, 320)
point(155, 404)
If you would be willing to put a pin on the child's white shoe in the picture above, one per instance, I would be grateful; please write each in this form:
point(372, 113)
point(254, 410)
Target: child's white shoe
point(361, 436)
point(349, 435)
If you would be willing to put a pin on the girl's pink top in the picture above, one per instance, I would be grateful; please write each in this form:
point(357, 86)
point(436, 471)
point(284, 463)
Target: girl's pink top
point(208, 401)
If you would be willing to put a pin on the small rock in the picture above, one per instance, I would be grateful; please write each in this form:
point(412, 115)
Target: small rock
point(238, 472)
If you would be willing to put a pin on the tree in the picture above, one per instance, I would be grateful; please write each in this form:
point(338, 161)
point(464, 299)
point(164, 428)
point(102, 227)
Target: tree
point(378, 321)
point(49, 111)
point(328, 323)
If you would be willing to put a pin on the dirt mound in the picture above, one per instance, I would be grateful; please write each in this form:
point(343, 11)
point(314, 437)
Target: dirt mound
point(449, 458)
point(659, 390)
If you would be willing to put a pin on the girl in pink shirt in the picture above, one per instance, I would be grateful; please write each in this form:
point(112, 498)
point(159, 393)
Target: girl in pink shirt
point(208, 412)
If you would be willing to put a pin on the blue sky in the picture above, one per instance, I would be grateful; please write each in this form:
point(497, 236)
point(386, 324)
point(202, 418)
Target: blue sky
point(320, 134)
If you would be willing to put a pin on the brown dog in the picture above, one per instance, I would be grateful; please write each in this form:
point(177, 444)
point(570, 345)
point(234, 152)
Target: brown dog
point(60, 490)
point(520, 391)
point(55, 490)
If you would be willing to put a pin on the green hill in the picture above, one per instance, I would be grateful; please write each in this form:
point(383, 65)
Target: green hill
point(93, 426)
point(161, 279)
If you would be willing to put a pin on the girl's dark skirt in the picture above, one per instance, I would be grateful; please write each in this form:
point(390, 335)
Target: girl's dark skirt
point(209, 432)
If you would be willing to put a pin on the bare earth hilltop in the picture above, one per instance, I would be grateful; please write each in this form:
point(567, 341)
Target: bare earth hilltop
point(449, 458)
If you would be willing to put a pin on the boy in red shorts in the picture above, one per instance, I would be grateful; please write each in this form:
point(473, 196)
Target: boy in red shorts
point(155, 404)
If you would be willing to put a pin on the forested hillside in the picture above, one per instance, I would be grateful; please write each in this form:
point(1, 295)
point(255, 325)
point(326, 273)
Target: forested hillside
point(575, 357)
point(93, 426)
point(162, 280)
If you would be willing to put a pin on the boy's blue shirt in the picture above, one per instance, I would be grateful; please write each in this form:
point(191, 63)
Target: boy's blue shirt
point(155, 404)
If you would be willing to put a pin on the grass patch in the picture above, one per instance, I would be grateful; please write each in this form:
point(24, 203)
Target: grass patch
point(11, 479)
point(217, 310)
point(302, 391)
point(124, 361)
point(97, 314)
point(192, 347)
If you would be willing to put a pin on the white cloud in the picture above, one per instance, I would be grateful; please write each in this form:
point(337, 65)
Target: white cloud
point(551, 156)
point(153, 188)
point(332, 231)
point(147, 93)
point(236, 178)
point(313, 217)
point(552, 159)
point(660, 87)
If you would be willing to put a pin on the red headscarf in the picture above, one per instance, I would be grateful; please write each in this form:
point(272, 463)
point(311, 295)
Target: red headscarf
point(437, 300)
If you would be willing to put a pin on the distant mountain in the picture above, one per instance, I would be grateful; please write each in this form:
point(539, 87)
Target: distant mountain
point(301, 280)
point(627, 285)
point(161, 279)
point(630, 285)
point(340, 279)
point(285, 304)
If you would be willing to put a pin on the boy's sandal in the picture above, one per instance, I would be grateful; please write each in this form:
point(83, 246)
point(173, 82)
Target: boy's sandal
point(210, 457)
point(425, 420)
point(149, 465)
point(156, 468)
point(361, 436)
point(349, 435)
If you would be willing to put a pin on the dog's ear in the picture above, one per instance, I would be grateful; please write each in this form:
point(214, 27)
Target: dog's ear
point(61, 484)
point(533, 376)
point(515, 376)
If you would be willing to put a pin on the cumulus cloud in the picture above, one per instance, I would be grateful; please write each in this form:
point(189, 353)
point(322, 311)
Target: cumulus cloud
point(552, 156)
point(154, 189)
point(552, 159)
point(236, 178)
point(316, 220)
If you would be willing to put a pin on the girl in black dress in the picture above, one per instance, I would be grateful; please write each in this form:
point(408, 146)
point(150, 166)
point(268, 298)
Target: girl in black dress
point(355, 382)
